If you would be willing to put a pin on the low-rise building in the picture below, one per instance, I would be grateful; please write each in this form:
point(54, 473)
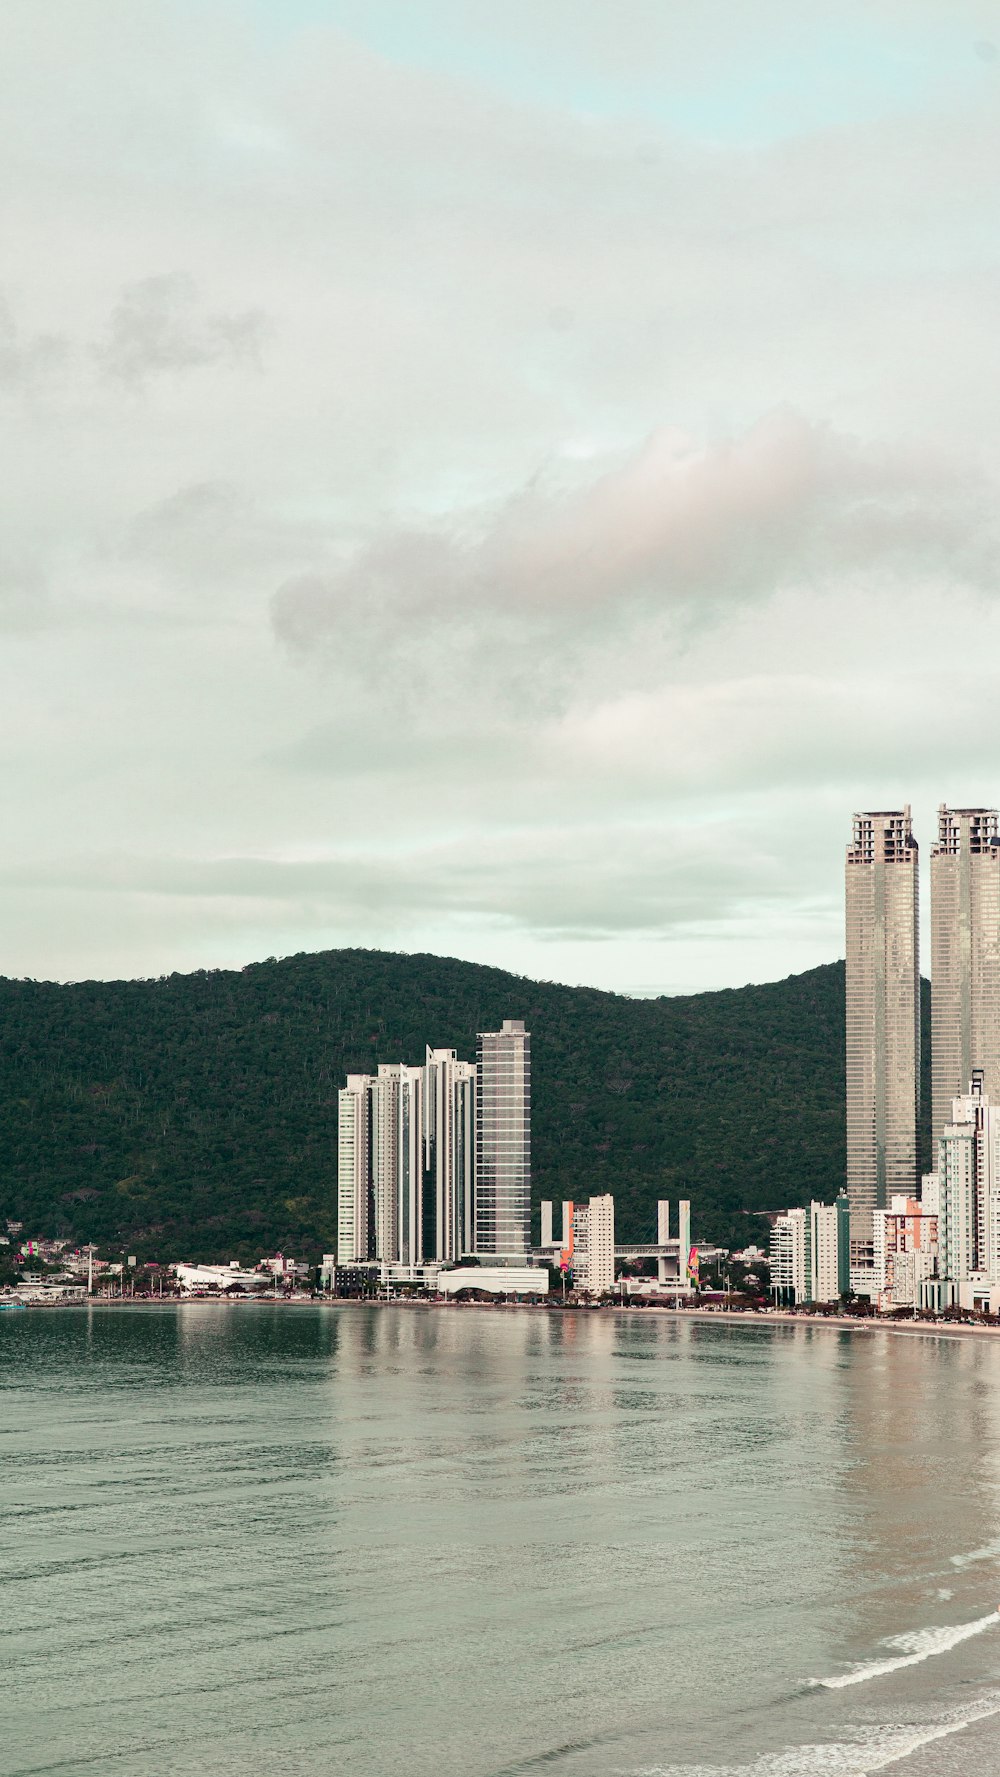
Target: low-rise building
point(495, 1280)
point(200, 1279)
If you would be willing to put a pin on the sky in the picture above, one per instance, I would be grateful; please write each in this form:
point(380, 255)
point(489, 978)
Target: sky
point(499, 480)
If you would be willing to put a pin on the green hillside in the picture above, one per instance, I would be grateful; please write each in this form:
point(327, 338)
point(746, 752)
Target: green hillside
point(196, 1114)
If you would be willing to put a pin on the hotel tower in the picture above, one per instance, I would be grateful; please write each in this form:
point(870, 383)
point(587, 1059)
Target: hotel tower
point(883, 1018)
point(965, 959)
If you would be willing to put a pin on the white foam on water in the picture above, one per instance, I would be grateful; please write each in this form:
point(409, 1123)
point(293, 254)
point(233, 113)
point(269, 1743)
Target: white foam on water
point(921, 1644)
point(991, 1552)
point(871, 1749)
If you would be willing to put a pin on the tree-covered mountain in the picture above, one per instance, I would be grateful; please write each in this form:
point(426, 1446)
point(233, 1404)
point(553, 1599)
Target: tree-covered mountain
point(196, 1114)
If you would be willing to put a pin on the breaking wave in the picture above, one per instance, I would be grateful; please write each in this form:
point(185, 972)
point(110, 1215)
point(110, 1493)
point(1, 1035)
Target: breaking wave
point(872, 1749)
point(921, 1644)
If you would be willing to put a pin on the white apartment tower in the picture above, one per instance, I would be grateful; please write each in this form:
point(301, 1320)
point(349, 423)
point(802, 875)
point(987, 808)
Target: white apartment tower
point(969, 1189)
point(450, 1136)
point(965, 958)
point(883, 1017)
point(354, 1170)
point(810, 1252)
point(600, 1244)
point(503, 1141)
point(397, 1135)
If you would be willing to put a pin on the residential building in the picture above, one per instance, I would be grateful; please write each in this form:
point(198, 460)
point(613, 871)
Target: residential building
point(883, 1018)
point(906, 1252)
point(810, 1253)
point(790, 1268)
point(601, 1244)
point(830, 1250)
point(965, 957)
point(503, 1141)
point(450, 1136)
point(355, 1203)
point(589, 1243)
point(968, 1176)
point(957, 1201)
point(397, 1125)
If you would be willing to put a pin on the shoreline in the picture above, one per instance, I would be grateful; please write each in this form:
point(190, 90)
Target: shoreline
point(743, 1318)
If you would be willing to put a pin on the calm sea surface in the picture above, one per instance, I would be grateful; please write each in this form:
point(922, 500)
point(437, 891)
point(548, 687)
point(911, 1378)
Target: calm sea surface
point(391, 1540)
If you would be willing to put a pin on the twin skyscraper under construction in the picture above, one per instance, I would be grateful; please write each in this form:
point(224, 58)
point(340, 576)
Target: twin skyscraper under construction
point(883, 994)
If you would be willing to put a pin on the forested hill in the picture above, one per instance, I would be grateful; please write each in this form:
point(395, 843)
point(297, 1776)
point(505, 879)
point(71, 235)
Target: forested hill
point(197, 1114)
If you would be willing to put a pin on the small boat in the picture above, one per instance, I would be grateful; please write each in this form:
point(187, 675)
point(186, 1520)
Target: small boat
point(12, 1305)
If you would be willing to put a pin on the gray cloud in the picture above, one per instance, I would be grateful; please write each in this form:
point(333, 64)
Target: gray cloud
point(159, 326)
point(27, 360)
point(24, 596)
point(538, 685)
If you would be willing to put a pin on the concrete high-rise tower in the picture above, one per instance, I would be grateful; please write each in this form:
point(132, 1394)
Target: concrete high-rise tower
point(355, 1206)
point(965, 958)
point(883, 1017)
point(450, 1136)
point(503, 1141)
point(397, 1124)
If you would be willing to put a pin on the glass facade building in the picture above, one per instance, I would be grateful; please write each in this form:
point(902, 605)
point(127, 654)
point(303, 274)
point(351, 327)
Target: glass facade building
point(965, 958)
point(883, 1018)
point(503, 1141)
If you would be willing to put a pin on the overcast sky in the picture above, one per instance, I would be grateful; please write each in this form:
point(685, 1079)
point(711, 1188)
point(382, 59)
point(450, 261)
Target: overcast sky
point(505, 479)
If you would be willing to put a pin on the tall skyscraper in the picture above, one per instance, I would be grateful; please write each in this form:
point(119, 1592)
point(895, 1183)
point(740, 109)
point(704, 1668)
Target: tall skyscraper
point(397, 1123)
point(965, 958)
point(883, 1018)
point(354, 1171)
point(450, 1136)
point(503, 1141)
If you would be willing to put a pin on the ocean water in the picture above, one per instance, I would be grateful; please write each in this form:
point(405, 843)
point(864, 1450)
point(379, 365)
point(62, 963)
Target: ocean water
point(384, 1540)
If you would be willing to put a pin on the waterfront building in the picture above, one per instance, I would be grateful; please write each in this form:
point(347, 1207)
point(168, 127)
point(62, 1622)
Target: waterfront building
point(591, 1256)
point(503, 1141)
point(397, 1125)
point(355, 1204)
point(790, 1257)
point(965, 957)
point(200, 1279)
point(601, 1244)
point(495, 1280)
point(883, 1018)
point(968, 1191)
point(450, 1136)
point(810, 1253)
point(830, 1250)
point(906, 1252)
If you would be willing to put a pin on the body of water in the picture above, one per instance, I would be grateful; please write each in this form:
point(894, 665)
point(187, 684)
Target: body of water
point(388, 1540)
